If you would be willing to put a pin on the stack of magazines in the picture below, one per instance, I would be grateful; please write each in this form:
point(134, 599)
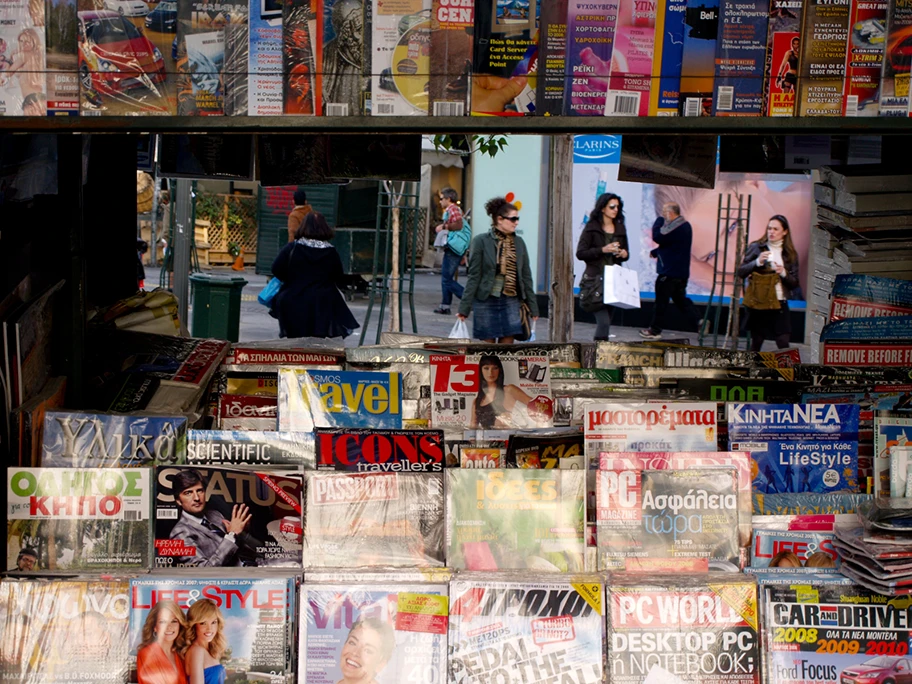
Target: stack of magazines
point(879, 554)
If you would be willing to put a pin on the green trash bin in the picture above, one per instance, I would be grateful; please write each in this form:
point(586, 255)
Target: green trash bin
point(216, 306)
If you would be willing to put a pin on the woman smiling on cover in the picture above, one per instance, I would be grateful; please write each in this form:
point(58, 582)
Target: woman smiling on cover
point(205, 643)
point(158, 660)
point(367, 650)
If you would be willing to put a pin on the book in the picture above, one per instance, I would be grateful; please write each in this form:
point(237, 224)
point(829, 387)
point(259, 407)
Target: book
point(452, 25)
point(350, 399)
point(515, 519)
point(65, 631)
point(390, 632)
point(400, 65)
point(302, 31)
point(23, 88)
point(823, 57)
point(342, 55)
point(741, 58)
point(783, 52)
point(221, 516)
point(505, 58)
point(631, 59)
point(369, 450)
point(590, 43)
point(103, 440)
point(894, 82)
point(79, 518)
point(365, 519)
point(62, 58)
point(250, 447)
point(552, 58)
point(701, 19)
point(512, 627)
point(864, 58)
point(265, 81)
point(254, 615)
point(665, 88)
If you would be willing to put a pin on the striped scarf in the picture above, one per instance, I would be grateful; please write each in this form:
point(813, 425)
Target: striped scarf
point(506, 261)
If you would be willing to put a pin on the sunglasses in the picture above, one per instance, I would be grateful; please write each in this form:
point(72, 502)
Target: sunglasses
point(613, 206)
point(512, 219)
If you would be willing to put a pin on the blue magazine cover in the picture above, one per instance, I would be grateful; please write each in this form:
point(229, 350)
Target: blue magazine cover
point(741, 58)
point(798, 448)
point(666, 70)
point(101, 440)
point(344, 399)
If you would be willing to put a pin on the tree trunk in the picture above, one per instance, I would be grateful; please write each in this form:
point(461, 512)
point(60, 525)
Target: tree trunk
point(561, 248)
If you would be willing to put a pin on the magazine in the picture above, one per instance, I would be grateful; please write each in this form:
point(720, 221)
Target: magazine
point(552, 58)
point(302, 29)
point(770, 545)
point(381, 518)
point(401, 37)
point(343, 45)
point(892, 431)
point(366, 450)
point(865, 58)
point(823, 57)
point(265, 59)
point(515, 519)
point(221, 516)
point(450, 60)
point(894, 84)
point(344, 399)
point(23, 87)
point(564, 451)
point(783, 51)
point(701, 20)
point(664, 94)
point(590, 42)
point(250, 447)
point(741, 58)
point(631, 59)
point(245, 412)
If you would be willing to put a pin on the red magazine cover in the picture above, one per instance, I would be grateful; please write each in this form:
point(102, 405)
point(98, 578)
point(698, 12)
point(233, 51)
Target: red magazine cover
point(783, 54)
point(302, 27)
point(864, 58)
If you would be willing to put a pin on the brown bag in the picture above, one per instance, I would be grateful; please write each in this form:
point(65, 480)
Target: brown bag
point(761, 292)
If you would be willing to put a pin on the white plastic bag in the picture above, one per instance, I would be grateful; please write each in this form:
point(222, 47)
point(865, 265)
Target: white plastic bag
point(460, 330)
point(532, 332)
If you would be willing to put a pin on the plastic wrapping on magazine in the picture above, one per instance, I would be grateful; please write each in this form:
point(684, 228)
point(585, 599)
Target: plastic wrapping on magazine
point(873, 289)
point(366, 450)
point(806, 503)
point(251, 447)
point(365, 519)
point(887, 514)
point(784, 549)
point(377, 574)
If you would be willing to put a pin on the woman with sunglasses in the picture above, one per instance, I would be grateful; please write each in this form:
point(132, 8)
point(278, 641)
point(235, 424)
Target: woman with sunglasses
point(603, 242)
point(500, 278)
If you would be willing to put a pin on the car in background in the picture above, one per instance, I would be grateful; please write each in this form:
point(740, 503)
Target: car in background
point(127, 8)
point(114, 55)
point(163, 18)
point(899, 50)
point(879, 670)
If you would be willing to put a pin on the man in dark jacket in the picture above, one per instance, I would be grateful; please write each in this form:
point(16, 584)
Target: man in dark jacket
point(674, 237)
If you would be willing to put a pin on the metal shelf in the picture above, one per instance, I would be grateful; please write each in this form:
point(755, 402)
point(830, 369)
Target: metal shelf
point(468, 124)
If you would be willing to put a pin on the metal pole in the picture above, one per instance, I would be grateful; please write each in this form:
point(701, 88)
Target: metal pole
point(180, 248)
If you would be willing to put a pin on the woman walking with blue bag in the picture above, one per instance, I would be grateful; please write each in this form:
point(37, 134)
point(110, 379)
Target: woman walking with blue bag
point(458, 237)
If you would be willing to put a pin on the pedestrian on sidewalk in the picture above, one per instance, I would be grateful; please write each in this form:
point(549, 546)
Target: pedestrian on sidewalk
point(500, 278)
point(309, 303)
point(301, 209)
point(674, 237)
point(453, 251)
point(603, 242)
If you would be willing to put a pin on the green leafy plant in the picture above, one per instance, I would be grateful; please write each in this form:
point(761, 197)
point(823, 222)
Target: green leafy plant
point(466, 144)
point(234, 249)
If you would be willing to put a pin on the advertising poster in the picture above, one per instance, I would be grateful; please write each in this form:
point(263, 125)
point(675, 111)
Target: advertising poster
point(265, 59)
point(741, 58)
point(783, 52)
point(401, 64)
point(23, 85)
point(665, 89)
point(590, 43)
point(823, 59)
point(631, 59)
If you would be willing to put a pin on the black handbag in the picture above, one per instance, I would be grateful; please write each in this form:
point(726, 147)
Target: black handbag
point(592, 292)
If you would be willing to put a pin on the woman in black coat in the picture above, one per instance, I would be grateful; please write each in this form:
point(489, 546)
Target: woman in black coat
point(603, 242)
point(309, 303)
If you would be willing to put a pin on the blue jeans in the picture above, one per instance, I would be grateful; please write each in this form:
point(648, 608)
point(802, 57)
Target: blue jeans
point(448, 284)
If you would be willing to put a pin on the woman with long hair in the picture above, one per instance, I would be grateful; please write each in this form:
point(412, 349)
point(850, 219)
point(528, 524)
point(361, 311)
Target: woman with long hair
point(27, 63)
point(158, 658)
point(205, 643)
point(366, 651)
point(603, 242)
point(772, 253)
point(500, 278)
point(494, 402)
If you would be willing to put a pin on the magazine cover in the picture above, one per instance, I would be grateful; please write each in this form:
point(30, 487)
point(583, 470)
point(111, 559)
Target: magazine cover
point(823, 57)
point(680, 426)
point(552, 58)
point(452, 25)
point(76, 440)
point(266, 82)
point(227, 517)
point(690, 628)
point(526, 628)
point(740, 390)
point(206, 63)
point(892, 431)
point(365, 519)
point(783, 548)
point(245, 412)
point(379, 633)
point(807, 503)
point(249, 640)
point(342, 50)
point(515, 519)
point(564, 451)
point(369, 450)
point(701, 30)
point(858, 635)
point(401, 62)
point(883, 341)
point(665, 86)
point(865, 58)
point(481, 457)
point(78, 519)
point(62, 58)
point(367, 58)
point(590, 42)
point(615, 354)
point(64, 632)
point(645, 518)
point(894, 84)
point(798, 447)
point(249, 358)
point(491, 392)
point(302, 29)
point(237, 58)
point(250, 447)
point(505, 58)
point(702, 357)
point(741, 58)
point(23, 85)
point(631, 59)
point(345, 399)
point(783, 52)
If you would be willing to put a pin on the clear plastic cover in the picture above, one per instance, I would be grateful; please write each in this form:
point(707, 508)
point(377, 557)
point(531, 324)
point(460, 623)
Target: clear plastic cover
point(23, 87)
point(250, 447)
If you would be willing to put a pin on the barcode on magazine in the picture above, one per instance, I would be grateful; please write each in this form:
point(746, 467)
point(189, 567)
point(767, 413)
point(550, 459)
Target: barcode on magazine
point(166, 513)
point(852, 105)
point(132, 515)
point(385, 108)
point(725, 98)
point(449, 109)
point(693, 106)
point(336, 109)
point(622, 104)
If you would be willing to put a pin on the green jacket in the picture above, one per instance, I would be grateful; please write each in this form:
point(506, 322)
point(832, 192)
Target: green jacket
point(483, 269)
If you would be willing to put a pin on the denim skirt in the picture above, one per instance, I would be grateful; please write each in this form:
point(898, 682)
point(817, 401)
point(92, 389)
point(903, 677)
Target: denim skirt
point(496, 317)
